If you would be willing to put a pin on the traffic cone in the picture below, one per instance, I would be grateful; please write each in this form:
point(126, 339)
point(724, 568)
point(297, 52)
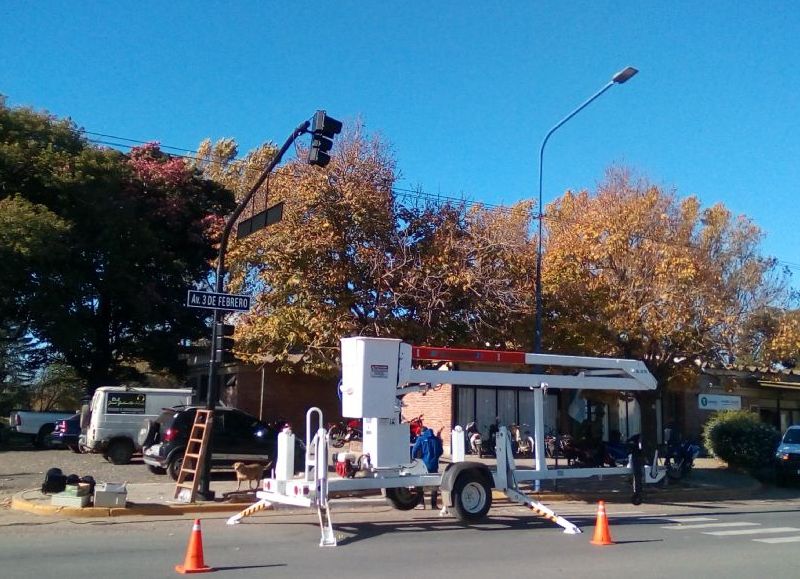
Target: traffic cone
point(602, 534)
point(193, 563)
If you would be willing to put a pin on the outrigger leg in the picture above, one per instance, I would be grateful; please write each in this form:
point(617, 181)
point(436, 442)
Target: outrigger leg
point(543, 511)
point(254, 508)
point(506, 481)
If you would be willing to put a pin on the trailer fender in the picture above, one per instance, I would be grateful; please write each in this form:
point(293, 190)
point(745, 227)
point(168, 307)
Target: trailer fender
point(452, 472)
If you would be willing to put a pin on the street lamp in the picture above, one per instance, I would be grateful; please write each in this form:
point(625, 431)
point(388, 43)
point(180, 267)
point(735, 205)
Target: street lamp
point(619, 78)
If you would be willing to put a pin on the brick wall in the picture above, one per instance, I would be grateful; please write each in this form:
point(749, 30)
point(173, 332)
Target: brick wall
point(436, 406)
point(286, 396)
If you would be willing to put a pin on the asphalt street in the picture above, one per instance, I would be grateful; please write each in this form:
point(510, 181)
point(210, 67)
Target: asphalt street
point(732, 539)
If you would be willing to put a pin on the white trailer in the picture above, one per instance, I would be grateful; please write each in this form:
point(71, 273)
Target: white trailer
point(378, 372)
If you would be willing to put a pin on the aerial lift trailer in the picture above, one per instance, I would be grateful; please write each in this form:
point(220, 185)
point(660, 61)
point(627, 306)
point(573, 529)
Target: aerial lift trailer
point(378, 372)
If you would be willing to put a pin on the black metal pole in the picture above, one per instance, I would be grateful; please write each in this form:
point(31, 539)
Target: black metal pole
point(212, 392)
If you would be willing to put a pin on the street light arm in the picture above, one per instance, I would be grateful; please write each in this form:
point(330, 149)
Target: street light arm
point(618, 78)
point(558, 125)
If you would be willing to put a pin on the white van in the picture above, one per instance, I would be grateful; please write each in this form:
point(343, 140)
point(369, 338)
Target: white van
point(116, 415)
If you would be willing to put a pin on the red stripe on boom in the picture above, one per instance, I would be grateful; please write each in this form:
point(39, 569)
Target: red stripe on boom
point(465, 355)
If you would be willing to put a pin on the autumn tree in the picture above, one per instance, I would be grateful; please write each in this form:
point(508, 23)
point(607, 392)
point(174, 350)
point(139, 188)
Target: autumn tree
point(100, 247)
point(349, 259)
point(633, 270)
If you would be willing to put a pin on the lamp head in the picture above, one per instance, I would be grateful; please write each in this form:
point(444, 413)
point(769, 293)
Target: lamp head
point(624, 75)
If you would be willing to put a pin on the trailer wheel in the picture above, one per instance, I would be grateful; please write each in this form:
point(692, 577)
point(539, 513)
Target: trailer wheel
point(472, 496)
point(404, 498)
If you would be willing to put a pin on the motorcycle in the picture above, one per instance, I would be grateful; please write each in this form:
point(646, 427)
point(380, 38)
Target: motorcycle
point(679, 459)
point(346, 431)
point(415, 427)
point(521, 440)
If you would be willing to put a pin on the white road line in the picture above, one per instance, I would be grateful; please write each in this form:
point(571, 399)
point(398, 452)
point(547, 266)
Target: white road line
point(780, 540)
point(753, 531)
point(709, 526)
point(691, 519)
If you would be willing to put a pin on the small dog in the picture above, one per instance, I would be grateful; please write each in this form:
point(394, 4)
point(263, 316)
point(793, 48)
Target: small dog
point(248, 472)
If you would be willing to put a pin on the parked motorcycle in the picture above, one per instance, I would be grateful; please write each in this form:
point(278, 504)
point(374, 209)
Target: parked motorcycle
point(521, 439)
point(679, 458)
point(415, 427)
point(345, 431)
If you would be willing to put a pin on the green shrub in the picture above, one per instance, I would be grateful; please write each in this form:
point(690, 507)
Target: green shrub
point(739, 438)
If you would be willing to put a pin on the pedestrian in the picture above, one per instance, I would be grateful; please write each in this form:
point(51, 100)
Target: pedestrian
point(429, 448)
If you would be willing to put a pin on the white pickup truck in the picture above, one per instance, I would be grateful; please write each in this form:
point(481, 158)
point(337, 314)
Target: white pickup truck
point(37, 425)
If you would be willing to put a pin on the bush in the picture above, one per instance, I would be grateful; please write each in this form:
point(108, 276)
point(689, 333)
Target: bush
point(739, 438)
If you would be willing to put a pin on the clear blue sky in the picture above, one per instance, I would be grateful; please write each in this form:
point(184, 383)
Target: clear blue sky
point(464, 90)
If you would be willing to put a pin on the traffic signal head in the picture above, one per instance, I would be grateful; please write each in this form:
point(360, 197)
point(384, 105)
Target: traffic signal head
point(323, 129)
point(223, 345)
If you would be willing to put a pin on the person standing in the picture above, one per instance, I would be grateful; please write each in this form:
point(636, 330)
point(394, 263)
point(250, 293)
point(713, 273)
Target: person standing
point(429, 448)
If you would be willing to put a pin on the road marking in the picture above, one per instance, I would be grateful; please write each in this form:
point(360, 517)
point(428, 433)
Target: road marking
point(753, 531)
point(691, 519)
point(709, 526)
point(779, 540)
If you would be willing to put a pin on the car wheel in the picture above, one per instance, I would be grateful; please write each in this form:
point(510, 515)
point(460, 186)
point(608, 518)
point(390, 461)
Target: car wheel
point(41, 440)
point(472, 496)
point(120, 452)
point(174, 466)
point(156, 469)
point(404, 498)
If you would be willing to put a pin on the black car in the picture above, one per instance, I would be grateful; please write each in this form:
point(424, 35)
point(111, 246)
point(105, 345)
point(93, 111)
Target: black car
point(66, 433)
point(235, 436)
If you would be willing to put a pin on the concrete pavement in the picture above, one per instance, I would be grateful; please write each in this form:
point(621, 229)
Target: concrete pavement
point(710, 481)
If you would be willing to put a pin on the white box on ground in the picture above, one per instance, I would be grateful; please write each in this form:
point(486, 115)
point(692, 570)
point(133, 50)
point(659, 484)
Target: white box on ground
point(369, 377)
point(68, 500)
point(386, 443)
point(110, 495)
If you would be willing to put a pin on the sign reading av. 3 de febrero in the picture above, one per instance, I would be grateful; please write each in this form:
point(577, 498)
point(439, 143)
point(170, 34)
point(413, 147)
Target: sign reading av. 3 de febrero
point(212, 301)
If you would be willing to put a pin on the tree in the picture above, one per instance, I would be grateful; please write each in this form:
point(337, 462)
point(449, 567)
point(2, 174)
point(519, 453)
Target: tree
point(102, 246)
point(634, 271)
point(349, 259)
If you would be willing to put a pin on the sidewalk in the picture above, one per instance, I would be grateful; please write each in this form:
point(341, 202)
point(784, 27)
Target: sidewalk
point(709, 481)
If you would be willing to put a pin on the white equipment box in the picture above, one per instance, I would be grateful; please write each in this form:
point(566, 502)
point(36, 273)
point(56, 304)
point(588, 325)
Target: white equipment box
point(369, 377)
point(386, 443)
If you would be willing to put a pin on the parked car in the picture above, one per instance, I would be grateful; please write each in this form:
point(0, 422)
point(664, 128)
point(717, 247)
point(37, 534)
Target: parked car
point(67, 434)
point(36, 426)
point(235, 436)
point(116, 414)
point(787, 457)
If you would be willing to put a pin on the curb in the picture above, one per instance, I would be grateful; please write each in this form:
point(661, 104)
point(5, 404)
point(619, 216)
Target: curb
point(20, 502)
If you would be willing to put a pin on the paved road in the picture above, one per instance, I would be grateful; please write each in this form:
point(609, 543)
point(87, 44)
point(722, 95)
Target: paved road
point(729, 539)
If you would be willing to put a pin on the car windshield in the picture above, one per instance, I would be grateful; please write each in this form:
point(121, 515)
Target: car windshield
point(792, 436)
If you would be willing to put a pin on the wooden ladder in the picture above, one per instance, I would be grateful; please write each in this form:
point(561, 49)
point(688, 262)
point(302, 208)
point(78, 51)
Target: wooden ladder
point(186, 487)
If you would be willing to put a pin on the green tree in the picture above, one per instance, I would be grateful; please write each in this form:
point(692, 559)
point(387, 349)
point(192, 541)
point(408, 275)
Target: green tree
point(102, 246)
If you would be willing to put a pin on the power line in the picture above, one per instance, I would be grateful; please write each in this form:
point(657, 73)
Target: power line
point(413, 193)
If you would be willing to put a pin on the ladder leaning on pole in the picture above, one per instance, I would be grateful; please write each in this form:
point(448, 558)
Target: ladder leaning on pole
point(186, 487)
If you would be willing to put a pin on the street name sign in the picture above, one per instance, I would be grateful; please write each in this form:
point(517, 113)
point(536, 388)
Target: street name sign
point(213, 301)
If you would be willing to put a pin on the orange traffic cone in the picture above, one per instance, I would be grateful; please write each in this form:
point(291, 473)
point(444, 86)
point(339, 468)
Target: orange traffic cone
point(193, 563)
point(602, 534)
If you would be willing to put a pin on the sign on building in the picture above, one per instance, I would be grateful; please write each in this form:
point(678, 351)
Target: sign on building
point(719, 402)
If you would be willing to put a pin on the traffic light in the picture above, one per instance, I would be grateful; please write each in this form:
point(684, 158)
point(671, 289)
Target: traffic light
point(323, 129)
point(223, 347)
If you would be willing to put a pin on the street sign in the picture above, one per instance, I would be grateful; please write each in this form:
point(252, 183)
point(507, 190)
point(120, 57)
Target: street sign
point(212, 301)
point(259, 221)
point(719, 402)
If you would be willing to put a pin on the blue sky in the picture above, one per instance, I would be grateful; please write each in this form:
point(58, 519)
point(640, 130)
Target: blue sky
point(465, 91)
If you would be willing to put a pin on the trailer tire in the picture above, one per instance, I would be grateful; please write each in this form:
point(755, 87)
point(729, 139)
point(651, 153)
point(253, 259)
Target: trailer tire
point(472, 496)
point(404, 498)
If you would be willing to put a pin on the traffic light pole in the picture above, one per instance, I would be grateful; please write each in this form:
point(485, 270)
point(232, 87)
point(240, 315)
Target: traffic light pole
point(212, 392)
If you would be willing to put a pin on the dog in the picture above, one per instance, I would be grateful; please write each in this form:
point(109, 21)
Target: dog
point(248, 472)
